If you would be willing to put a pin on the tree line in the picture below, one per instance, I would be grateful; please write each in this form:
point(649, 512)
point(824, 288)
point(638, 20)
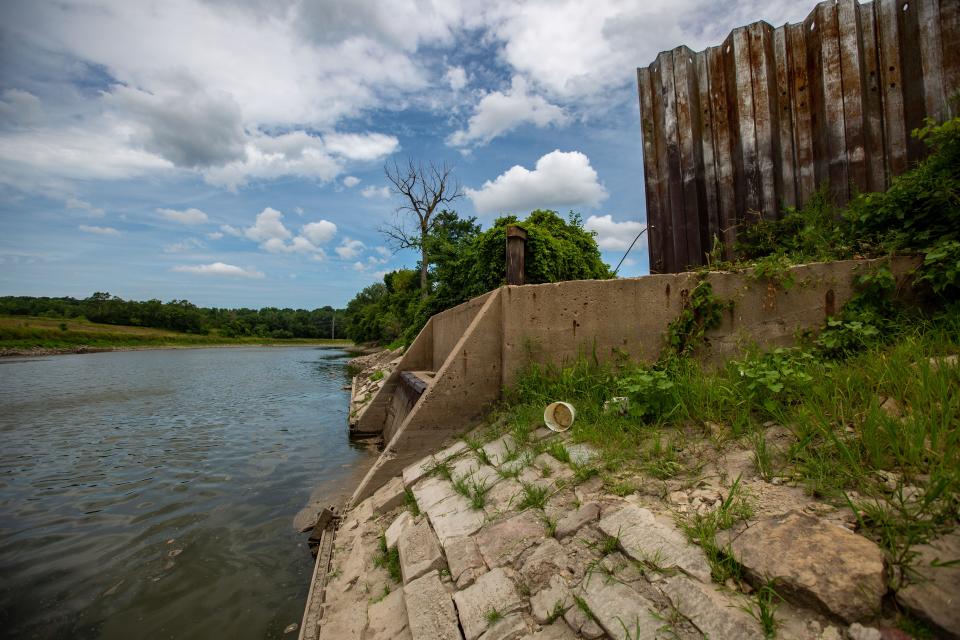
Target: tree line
point(184, 316)
point(465, 262)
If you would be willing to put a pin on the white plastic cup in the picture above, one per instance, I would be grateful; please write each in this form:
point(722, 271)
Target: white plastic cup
point(559, 416)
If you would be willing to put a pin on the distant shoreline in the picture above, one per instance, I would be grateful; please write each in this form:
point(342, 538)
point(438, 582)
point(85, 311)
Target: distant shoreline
point(16, 352)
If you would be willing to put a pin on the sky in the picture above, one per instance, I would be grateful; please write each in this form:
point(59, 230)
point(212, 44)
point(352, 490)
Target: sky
point(232, 152)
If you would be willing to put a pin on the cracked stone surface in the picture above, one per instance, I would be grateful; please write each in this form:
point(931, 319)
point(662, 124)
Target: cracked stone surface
point(503, 496)
point(500, 449)
point(621, 611)
point(646, 539)
point(548, 559)
point(555, 597)
point(419, 551)
point(455, 517)
point(572, 522)
point(430, 610)
point(389, 496)
point(843, 577)
point(502, 542)
point(512, 627)
point(492, 590)
point(432, 491)
point(582, 624)
point(464, 559)
point(714, 614)
point(416, 472)
point(934, 595)
point(559, 630)
point(396, 528)
point(388, 619)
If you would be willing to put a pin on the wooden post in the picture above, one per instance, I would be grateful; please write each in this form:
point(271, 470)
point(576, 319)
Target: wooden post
point(516, 246)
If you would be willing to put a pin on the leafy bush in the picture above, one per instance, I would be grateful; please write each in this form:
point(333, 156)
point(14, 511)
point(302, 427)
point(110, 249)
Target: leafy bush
point(650, 391)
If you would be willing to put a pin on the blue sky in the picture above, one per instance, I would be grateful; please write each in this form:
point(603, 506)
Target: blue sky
point(231, 152)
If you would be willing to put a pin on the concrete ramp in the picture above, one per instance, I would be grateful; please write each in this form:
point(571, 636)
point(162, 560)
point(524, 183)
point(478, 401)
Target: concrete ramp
point(464, 357)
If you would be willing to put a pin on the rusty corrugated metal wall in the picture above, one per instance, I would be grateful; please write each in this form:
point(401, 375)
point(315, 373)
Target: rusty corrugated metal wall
point(760, 122)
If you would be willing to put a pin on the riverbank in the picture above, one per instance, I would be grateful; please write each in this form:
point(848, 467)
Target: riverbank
point(35, 336)
point(807, 494)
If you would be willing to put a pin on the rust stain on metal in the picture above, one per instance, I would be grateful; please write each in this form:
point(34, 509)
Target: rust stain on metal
point(738, 131)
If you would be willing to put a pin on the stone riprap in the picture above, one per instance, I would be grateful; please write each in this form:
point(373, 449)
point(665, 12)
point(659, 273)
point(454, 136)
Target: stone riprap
point(586, 563)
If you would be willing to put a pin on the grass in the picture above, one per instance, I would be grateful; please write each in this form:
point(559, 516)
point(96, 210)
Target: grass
point(492, 617)
point(30, 332)
point(533, 495)
point(702, 529)
point(441, 469)
point(764, 608)
point(388, 559)
point(410, 501)
point(473, 489)
point(558, 451)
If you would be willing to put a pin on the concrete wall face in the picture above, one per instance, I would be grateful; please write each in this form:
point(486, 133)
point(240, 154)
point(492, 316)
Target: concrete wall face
point(449, 327)
point(555, 323)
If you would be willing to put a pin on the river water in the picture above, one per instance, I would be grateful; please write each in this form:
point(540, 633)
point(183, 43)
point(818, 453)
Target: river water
point(150, 494)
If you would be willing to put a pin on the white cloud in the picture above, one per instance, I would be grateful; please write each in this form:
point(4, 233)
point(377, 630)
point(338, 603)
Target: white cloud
point(359, 266)
point(350, 249)
point(231, 230)
point(298, 211)
point(219, 269)
point(375, 192)
point(560, 178)
point(103, 231)
point(456, 77)
point(82, 205)
point(500, 112)
point(268, 226)
point(187, 216)
point(361, 146)
point(383, 251)
point(183, 245)
point(215, 235)
point(613, 235)
point(351, 181)
point(320, 232)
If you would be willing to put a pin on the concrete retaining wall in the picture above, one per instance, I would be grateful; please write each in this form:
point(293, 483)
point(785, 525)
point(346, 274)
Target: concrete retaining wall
point(553, 323)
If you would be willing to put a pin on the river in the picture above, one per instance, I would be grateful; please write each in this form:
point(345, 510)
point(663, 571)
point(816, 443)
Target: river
point(150, 494)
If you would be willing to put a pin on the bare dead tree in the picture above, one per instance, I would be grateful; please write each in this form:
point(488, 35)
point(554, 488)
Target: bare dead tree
point(423, 190)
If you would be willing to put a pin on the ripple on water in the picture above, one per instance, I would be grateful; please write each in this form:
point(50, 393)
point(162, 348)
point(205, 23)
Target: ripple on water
point(149, 494)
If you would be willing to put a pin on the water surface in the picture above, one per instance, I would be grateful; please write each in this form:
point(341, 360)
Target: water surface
point(149, 494)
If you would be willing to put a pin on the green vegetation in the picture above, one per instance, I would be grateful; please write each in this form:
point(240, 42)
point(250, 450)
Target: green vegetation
point(466, 262)
point(26, 333)
point(388, 559)
point(40, 320)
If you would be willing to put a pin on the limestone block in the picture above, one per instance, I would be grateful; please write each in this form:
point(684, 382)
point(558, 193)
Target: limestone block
point(646, 539)
point(419, 551)
point(571, 523)
point(716, 615)
point(815, 563)
point(387, 619)
point(621, 611)
point(503, 496)
point(500, 449)
point(396, 528)
point(492, 590)
point(454, 517)
point(417, 471)
point(430, 610)
point(581, 454)
point(431, 491)
point(548, 559)
point(558, 470)
point(464, 560)
point(554, 598)
point(582, 624)
point(935, 594)
point(512, 627)
point(502, 542)
point(388, 497)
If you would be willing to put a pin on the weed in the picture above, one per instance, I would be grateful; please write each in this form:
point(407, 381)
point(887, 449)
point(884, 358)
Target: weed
point(558, 451)
point(483, 457)
point(702, 529)
point(762, 459)
point(492, 616)
point(764, 608)
point(638, 632)
point(549, 525)
point(701, 312)
point(557, 611)
point(546, 471)
point(377, 375)
point(583, 472)
point(388, 559)
point(620, 488)
point(477, 492)
point(441, 469)
point(609, 544)
point(533, 496)
point(410, 501)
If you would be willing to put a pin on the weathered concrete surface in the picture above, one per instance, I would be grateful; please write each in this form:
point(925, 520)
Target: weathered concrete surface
point(815, 563)
point(511, 627)
point(646, 539)
point(621, 611)
point(387, 619)
point(934, 591)
point(548, 560)
point(430, 610)
point(416, 472)
point(493, 590)
point(419, 551)
point(501, 543)
point(455, 517)
point(614, 316)
point(716, 615)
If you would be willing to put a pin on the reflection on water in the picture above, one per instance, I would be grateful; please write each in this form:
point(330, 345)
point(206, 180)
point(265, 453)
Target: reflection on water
point(149, 494)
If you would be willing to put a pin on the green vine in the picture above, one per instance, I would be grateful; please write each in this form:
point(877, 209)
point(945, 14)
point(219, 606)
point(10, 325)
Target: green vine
point(701, 312)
